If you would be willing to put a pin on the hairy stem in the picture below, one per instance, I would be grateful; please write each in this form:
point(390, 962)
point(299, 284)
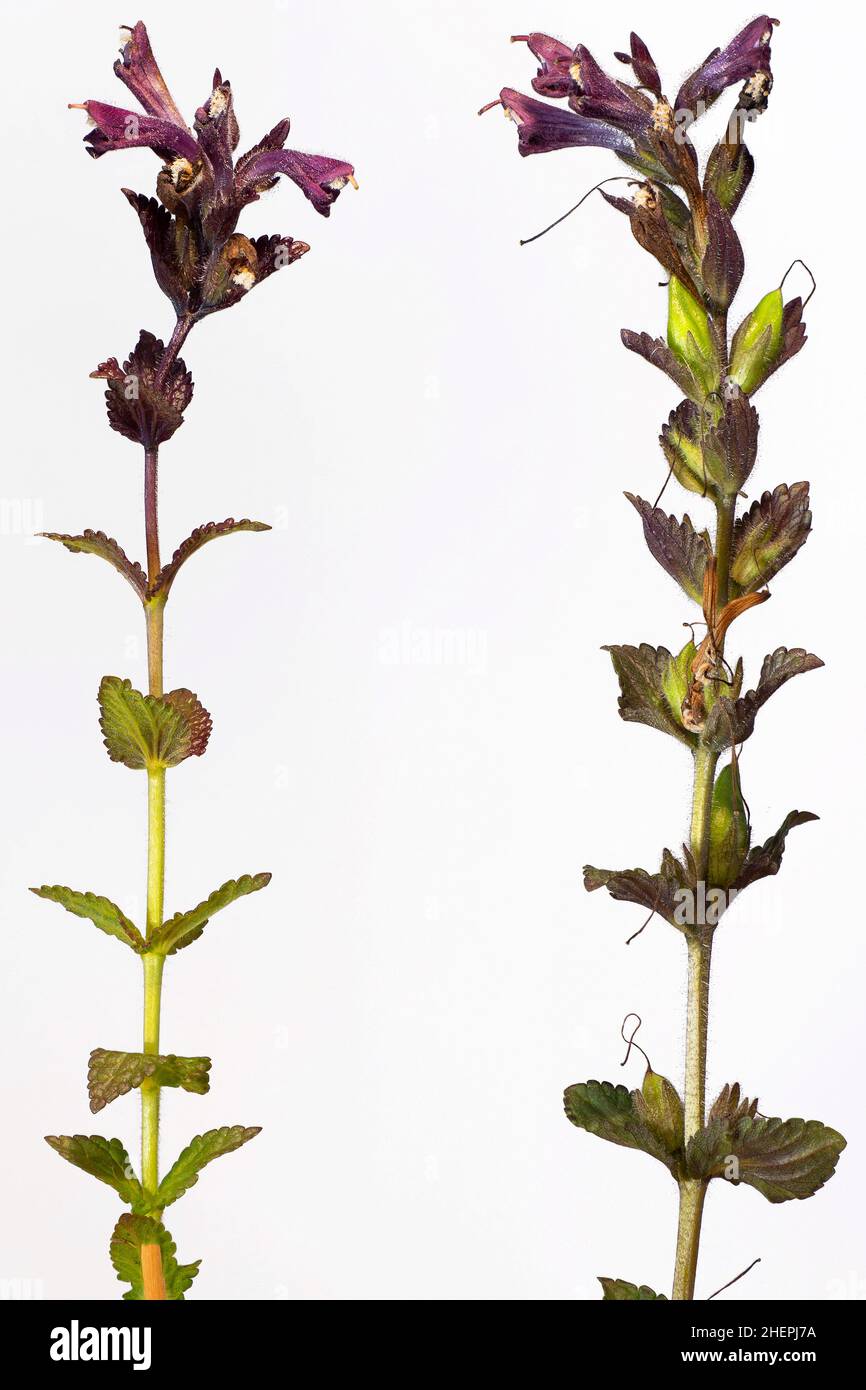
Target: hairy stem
point(700, 944)
point(151, 1256)
point(151, 509)
point(724, 536)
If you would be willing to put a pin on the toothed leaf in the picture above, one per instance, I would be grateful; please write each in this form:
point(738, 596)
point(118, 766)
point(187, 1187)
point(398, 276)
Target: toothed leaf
point(105, 1159)
point(661, 892)
point(784, 1160)
point(140, 408)
point(641, 672)
point(201, 1150)
point(765, 860)
point(103, 913)
point(658, 354)
point(184, 927)
point(611, 1113)
point(97, 543)
point(200, 536)
point(151, 731)
point(730, 1105)
point(130, 1233)
point(732, 721)
point(620, 1290)
point(112, 1074)
point(676, 545)
point(768, 536)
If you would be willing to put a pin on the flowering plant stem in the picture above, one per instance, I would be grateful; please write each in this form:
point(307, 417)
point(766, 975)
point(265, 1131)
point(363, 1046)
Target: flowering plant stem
point(683, 216)
point(203, 265)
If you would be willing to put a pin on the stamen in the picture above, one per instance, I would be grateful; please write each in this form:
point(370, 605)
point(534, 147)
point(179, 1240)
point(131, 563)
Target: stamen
point(353, 181)
point(663, 117)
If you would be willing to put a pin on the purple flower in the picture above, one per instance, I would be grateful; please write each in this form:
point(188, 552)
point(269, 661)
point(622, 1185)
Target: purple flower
point(542, 127)
point(624, 107)
point(199, 167)
point(554, 77)
point(136, 67)
point(200, 259)
point(746, 59)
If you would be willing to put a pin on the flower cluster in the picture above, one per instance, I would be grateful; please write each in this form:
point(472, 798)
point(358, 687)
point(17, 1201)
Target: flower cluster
point(682, 215)
point(200, 259)
point(690, 236)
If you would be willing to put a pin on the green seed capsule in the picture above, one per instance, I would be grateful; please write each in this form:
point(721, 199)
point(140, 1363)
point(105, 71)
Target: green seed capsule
point(662, 1110)
point(757, 342)
point(676, 679)
point(690, 337)
point(730, 834)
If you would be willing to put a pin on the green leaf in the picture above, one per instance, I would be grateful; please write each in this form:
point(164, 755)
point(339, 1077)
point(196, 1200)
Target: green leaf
point(97, 543)
point(642, 671)
point(200, 536)
point(150, 731)
point(184, 927)
point(733, 721)
point(103, 913)
point(620, 1290)
point(768, 536)
point(201, 1150)
point(105, 1159)
point(112, 1074)
point(130, 1233)
point(611, 1113)
point(785, 1160)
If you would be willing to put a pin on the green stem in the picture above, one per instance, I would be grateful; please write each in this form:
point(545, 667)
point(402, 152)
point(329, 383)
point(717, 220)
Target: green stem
point(153, 1280)
point(724, 537)
point(149, 1091)
point(692, 1194)
point(153, 966)
point(700, 945)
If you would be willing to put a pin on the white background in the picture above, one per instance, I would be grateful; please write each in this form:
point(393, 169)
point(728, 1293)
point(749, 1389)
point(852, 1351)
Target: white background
point(440, 426)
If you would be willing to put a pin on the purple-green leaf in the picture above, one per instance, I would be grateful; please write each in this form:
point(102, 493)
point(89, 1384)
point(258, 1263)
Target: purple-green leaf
point(676, 545)
point(97, 543)
point(768, 536)
point(102, 912)
point(211, 531)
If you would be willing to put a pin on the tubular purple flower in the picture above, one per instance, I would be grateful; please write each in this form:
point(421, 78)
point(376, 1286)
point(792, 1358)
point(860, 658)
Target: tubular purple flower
point(319, 178)
point(200, 173)
point(542, 128)
point(137, 68)
point(602, 98)
point(746, 59)
point(115, 128)
point(554, 77)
